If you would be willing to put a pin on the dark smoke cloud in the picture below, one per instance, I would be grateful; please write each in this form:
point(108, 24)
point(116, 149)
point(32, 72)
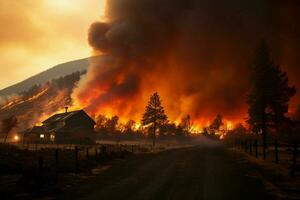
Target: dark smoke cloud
point(196, 53)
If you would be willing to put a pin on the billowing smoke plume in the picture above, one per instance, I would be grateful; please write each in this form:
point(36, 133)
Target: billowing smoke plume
point(195, 53)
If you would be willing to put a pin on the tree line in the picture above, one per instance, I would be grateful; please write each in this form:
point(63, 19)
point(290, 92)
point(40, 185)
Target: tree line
point(154, 123)
point(268, 102)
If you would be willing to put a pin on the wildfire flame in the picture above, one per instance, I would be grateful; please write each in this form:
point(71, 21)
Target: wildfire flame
point(133, 61)
point(19, 100)
point(193, 70)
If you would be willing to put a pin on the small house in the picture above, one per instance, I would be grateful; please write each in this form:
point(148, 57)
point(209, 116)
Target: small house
point(64, 128)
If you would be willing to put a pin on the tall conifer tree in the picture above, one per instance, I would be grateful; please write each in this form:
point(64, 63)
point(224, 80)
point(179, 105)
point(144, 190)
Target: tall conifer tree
point(269, 96)
point(154, 115)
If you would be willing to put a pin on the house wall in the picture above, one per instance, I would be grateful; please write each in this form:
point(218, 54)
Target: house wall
point(34, 137)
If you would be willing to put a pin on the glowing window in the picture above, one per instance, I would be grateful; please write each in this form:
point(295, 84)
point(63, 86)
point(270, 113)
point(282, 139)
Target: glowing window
point(52, 137)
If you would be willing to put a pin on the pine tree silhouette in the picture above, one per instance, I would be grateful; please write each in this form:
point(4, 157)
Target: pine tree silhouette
point(269, 96)
point(154, 115)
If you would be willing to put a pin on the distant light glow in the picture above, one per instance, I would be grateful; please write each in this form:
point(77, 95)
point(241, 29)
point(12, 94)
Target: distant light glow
point(42, 136)
point(16, 138)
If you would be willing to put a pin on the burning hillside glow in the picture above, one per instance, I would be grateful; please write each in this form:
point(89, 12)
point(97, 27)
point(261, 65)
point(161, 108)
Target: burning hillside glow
point(198, 67)
point(33, 109)
point(139, 58)
point(194, 71)
point(18, 100)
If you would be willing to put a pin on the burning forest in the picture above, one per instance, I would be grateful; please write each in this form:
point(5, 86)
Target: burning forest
point(33, 106)
point(171, 99)
point(200, 68)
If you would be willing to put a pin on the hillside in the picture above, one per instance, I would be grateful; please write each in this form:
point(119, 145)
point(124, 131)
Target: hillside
point(40, 101)
point(50, 74)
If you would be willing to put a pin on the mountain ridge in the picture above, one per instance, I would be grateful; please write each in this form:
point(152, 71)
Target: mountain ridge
point(56, 71)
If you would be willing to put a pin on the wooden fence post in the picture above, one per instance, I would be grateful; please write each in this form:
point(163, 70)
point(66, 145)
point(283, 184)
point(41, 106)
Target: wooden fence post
point(264, 149)
point(96, 152)
point(56, 166)
point(87, 153)
point(276, 151)
point(294, 163)
point(103, 150)
point(76, 159)
point(108, 148)
point(242, 145)
point(256, 148)
point(250, 145)
point(40, 171)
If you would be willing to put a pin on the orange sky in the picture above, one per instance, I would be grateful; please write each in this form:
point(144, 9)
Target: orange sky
point(38, 34)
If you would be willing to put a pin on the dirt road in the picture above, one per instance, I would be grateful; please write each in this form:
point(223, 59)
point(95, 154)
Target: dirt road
point(191, 173)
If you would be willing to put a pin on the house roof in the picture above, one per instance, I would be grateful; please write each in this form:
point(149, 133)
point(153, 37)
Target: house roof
point(61, 117)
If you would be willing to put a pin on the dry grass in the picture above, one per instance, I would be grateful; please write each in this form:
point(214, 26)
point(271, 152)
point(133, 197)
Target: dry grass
point(276, 177)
